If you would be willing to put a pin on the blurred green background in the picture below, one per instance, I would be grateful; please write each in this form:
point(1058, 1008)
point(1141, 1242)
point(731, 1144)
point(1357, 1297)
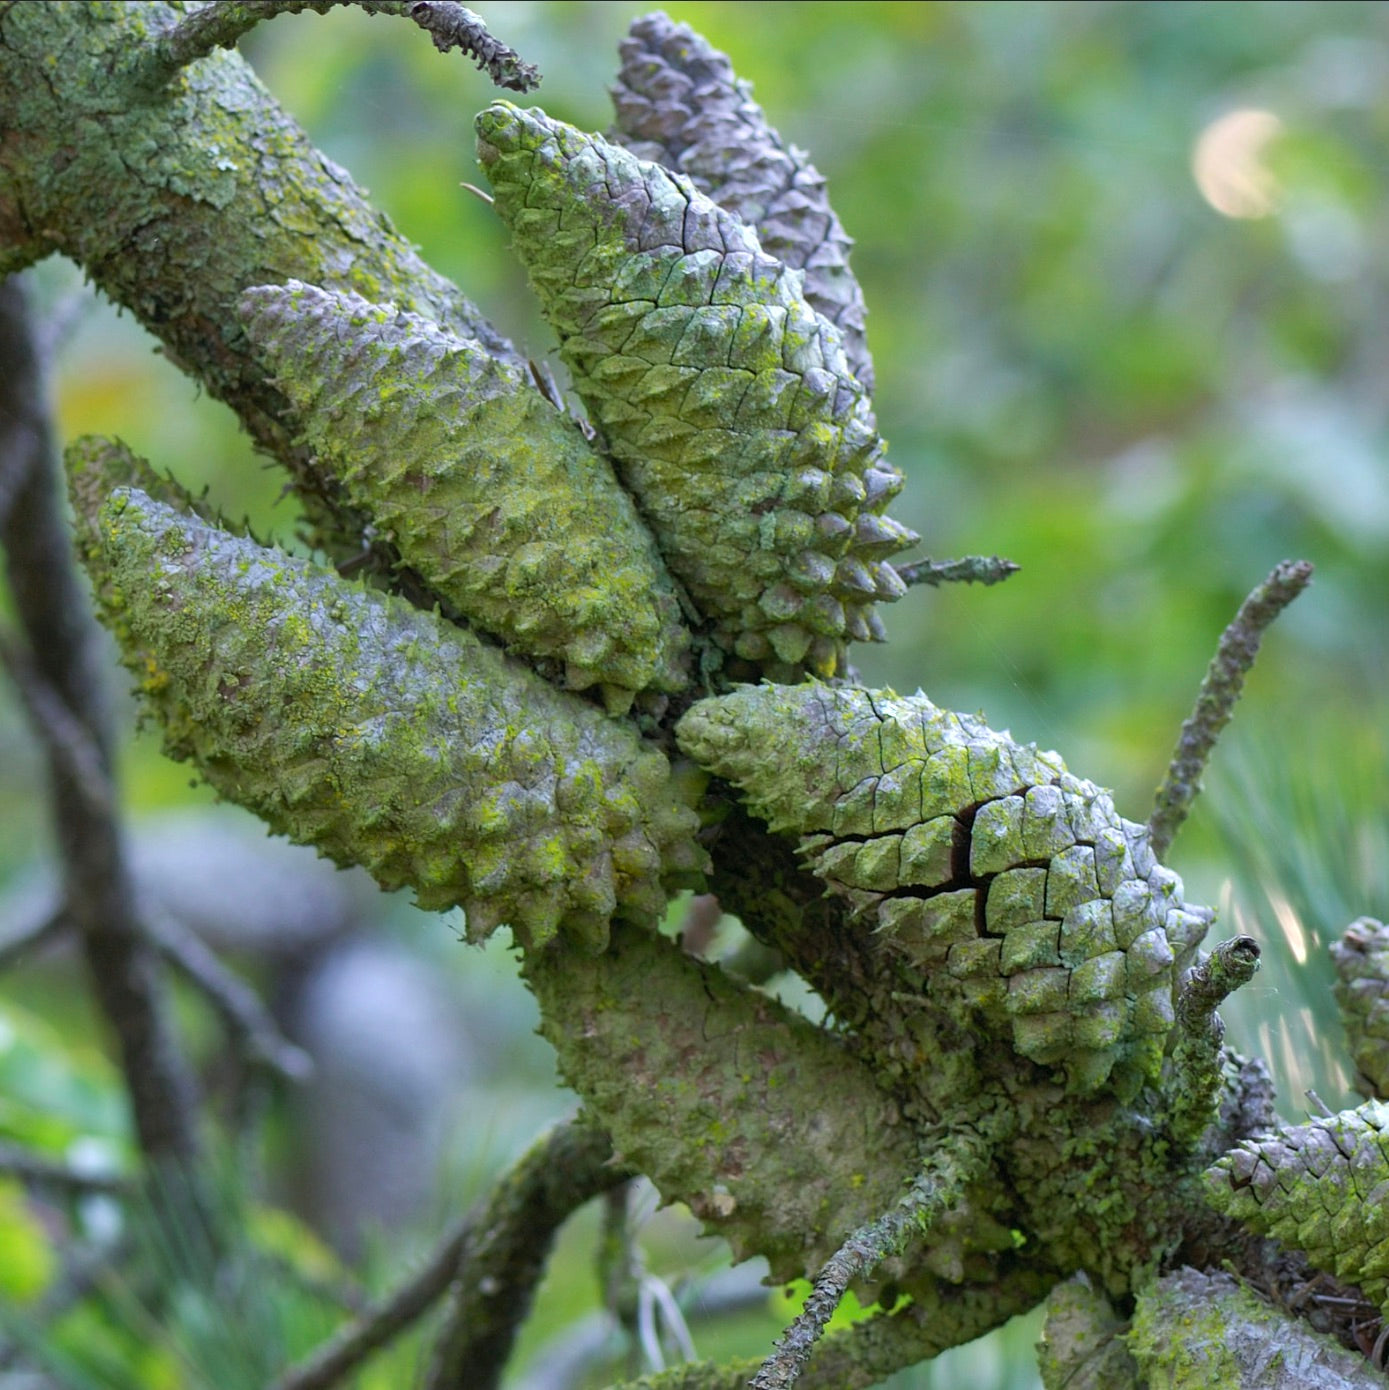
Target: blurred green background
point(1126, 271)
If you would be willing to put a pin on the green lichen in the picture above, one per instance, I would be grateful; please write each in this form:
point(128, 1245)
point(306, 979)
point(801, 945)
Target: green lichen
point(1322, 1188)
point(488, 492)
point(174, 202)
point(1082, 1344)
point(1197, 1331)
point(387, 737)
point(725, 399)
point(727, 1100)
point(1014, 889)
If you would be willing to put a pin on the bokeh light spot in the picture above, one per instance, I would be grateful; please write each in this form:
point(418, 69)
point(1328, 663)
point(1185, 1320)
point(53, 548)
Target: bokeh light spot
point(1228, 165)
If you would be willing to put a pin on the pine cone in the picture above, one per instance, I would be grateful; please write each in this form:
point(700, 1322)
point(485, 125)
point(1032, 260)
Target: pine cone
point(1361, 957)
point(1323, 1188)
point(725, 399)
point(385, 736)
point(1002, 884)
point(472, 472)
point(679, 103)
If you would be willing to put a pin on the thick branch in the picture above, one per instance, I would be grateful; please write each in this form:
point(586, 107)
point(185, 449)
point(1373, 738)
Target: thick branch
point(1215, 702)
point(53, 612)
point(174, 232)
point(448, 23)
point(505, 1256)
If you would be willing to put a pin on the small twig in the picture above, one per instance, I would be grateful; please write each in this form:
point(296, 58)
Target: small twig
point(366, 1334)
point(969, 569)
point(1196, 1057)
point(236, 1003)
point(448, 23)
point(961, 1153)
point(484, 197)
point(517, 1220)
point(1215, 702)
point(21, 1163)
point(504, 1261)
point(1319, 1106)
point(61, 645)
point(33, 936)
point(68, 743)
point(619, 1264)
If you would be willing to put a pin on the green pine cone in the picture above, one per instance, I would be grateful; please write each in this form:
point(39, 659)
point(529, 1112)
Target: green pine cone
point(1323, 1188)
point(1362, 996)
point(1001, 883)
point(385, 736)
point(725, 399)
point(679, 103)
point(474, 474)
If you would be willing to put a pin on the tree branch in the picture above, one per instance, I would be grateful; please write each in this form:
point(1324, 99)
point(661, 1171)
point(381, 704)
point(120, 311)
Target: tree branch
point(53, 612)
point(865, 1354)
point(449, 24)
point(21, 1163)
point(494, 1257)
point(961, 1155)
point(175, 237)
point(505, 1256)
point(1215, 702)
point(240, 1008)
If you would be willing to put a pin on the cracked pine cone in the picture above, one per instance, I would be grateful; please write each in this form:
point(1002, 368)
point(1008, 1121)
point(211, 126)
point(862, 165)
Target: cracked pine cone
point(1001, 884)
point(725, 399)
point(1323, 1188)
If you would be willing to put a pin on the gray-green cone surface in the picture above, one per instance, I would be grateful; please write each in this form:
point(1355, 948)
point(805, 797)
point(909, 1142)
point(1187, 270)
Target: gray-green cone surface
point(1361, 957)
point(725, 399)
point(386, 737)
point(488, 491)
point(679, 103)
point(1002, 884)
point(1323, 1188)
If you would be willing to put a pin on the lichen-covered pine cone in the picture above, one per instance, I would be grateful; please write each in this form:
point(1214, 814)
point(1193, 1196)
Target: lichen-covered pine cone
point(725, 399)
point(1002, 884)
point(1323, 1188)
point(680, 104)
point(1361, 957)
point(473, 473)
point(383, 735)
